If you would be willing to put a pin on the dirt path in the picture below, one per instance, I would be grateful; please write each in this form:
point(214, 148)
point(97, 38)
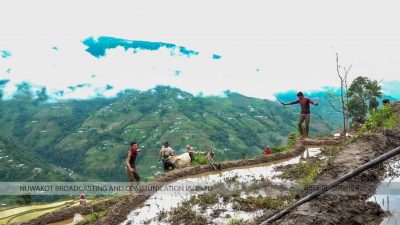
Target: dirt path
point(347, 204)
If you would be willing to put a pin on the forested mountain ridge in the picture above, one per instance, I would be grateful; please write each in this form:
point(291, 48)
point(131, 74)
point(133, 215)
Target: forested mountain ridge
point(91, 137)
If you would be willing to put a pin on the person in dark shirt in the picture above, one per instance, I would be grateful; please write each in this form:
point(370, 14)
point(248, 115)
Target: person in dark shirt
point(304, 113)
point(130, 164)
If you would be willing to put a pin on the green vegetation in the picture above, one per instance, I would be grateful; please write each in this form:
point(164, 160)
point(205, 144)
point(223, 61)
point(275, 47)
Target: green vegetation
point(379, 118)
point(292, 139)
point(90, 138)
point(363, 96)
point(19, 165)
point(204, 200)
point(304, 173)
point(184, 214)
point(184, 211)
point(291, 142)
point(200, 159)
point(93, 218)
point(233, 221)
point(25, 213)
point(260, 202)
point(231, 179)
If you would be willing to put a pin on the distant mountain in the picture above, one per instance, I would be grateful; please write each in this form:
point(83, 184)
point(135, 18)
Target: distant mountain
point(91, 137)
point(17, 164)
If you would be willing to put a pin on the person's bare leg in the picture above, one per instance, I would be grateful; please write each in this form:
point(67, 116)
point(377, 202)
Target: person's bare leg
point(137, 179)
point(300, 125)
point(128, 174)
point(307, 123)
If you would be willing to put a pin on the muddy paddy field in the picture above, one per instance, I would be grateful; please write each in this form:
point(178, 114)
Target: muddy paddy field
point(232, 196)
point(252, 190)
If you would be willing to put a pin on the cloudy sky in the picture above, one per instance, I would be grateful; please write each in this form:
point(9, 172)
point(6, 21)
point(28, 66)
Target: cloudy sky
point(265, 46)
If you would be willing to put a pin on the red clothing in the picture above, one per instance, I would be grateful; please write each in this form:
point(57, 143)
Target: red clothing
point(268, 151)
point(304, 103)
point(132, 160)
point(134, 152)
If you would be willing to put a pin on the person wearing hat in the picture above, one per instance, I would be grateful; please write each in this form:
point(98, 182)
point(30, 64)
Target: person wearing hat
point(268, 151)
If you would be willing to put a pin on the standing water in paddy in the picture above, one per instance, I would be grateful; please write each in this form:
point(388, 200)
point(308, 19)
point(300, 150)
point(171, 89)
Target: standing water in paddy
point(387, 194)
point(158, 206)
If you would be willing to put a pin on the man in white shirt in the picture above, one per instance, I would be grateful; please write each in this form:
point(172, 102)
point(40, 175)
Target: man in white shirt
point(166, 152)
point(189, 149)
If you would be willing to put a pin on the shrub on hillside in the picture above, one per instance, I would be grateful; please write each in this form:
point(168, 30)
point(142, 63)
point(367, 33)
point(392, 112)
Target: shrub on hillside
point(381, 118)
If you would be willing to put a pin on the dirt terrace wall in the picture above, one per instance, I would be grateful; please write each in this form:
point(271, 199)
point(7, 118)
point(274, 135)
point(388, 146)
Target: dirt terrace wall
point(119, 209)
point(118, 213)
point(323, 141)
point(347, 204)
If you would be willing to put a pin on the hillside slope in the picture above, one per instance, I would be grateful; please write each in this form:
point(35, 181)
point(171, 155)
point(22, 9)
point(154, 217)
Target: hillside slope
point(91, 137)
point(19, 165)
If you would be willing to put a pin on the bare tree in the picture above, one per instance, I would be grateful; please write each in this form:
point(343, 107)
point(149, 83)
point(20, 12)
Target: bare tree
point(344, 100)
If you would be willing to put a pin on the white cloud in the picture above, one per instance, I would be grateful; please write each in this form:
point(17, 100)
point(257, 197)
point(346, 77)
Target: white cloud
point(293, 43)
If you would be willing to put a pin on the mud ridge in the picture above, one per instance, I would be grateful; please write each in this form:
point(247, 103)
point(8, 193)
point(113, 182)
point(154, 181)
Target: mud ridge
point(118, 209)
point(119, 212)
point(347, 204)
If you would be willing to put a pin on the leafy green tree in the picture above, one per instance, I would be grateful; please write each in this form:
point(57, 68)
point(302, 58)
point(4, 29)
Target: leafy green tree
point(363, 94)
point(24, 199)
point(373, 104)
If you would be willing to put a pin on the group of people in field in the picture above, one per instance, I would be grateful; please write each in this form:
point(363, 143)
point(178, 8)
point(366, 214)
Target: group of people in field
point(167, 152)
point(167, 157)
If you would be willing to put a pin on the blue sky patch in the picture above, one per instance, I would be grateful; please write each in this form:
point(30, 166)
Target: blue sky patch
point(109, 87)
point(60, 93)
point(3, 82)
point(73, 88)
point(392, 88)
point(5, 54)
point(216, 56)
point(97, 47)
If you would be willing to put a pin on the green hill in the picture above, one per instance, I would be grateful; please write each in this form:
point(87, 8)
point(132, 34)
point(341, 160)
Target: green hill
point(91, 137)
point(17, 164)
